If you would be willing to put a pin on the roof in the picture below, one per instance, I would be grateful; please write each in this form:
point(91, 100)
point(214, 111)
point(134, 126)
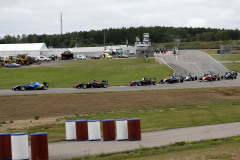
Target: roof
point(88, 49)
point(23, 47)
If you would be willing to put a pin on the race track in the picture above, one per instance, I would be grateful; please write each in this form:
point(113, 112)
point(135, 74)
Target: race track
point(186, 61)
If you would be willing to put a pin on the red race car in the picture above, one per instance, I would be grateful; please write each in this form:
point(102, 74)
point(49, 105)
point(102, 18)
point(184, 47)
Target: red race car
point(210, 76)
point(92, 84)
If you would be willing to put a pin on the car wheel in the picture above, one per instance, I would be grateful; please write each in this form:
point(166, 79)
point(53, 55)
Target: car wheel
point(138, 84)
point(22, 88)
point(44, 87)
point(154, 83)
point(78, 87)
point(84, 86)
point(104, 85)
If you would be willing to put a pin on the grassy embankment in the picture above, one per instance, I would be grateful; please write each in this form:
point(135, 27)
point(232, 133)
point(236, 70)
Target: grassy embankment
point(225, 57)
point(155, 118)
point(226, 148)
point(116, 71)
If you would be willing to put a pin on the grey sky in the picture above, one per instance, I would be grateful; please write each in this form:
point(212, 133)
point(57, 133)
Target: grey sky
point(43, 16)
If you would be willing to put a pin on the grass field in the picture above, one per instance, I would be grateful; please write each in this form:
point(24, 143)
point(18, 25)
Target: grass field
point(155, 118)
point(233, 66)
point(116, 71)
point(221, 57)
point(226, 148)
point(209, 51)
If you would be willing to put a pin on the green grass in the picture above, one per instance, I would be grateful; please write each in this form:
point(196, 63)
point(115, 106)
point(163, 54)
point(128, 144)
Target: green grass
point(233, 66)
point(156, 118)
point(116, 71)
point(226, 148)
point(209, 51)
point(227, 57)
point(221, 57)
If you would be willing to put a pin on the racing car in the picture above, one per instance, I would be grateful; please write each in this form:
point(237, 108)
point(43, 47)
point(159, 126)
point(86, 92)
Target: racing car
point(231, 75)
point(210, 76)
point(190, 77)
point(143, 82)
point(32, 86)
point(173, 79)
point(92, 84)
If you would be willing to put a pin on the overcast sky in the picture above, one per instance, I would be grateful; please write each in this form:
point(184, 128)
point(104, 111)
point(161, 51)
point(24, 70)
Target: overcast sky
point(43, 16)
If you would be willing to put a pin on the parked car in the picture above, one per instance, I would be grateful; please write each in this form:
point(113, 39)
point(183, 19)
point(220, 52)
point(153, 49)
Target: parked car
point(32, 86)
point(122, 56)
point(106, 56)
point(95, 57)
point(43, 58)
point(92, 84)
point(12, 65)
point(81, 57)
point(144, 82)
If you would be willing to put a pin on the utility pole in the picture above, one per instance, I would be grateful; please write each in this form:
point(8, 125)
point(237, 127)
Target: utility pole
point(61, 22)
point(104, 37)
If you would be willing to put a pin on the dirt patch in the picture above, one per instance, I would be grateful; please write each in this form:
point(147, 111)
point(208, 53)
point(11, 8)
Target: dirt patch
point(59, 105)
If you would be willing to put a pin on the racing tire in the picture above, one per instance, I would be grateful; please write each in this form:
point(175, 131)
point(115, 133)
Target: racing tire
point(154, 83)
point(218, 78)
point(78, 87)
point(44, 87)
point(195, 78)
point(22, 88)
point(138, 84)
point(84, 86)
point(235, 77)
point(104, 85)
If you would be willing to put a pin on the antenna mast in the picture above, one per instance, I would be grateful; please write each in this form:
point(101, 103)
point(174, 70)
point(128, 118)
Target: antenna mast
point(61, 22)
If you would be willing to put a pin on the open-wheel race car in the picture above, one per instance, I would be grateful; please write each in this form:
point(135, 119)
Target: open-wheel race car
point(92, 84)
point(32, 86)
point(144, 82)
point(210, 76)
point(231, 75)
point(190, 77)
point(173, 79)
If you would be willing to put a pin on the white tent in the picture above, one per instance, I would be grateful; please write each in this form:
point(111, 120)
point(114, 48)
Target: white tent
point(33, 49)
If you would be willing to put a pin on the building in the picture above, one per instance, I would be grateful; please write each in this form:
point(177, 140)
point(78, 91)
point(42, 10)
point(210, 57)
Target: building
point(87, 51)
point(33, 49)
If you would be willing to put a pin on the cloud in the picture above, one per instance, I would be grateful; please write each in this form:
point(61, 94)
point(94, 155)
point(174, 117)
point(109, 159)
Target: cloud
point(43, 16)
point(196, 22)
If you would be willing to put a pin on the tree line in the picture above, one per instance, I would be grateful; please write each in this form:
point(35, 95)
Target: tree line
point(119, 36)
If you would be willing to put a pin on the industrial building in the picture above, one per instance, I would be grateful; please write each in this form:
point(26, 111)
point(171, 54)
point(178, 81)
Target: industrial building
point(33, 49)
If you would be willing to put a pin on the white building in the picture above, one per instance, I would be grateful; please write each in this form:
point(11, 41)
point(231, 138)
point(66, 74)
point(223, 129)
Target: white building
point(87, 51)
point(33, 49)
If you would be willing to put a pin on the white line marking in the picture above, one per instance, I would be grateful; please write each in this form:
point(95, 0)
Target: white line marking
point(196, 65)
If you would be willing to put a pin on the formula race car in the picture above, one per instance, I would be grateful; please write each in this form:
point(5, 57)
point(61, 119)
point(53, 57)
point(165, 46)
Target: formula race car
point(92, 84)
point(173, 79)
point(210, 76)
point(31, 86)
point(190, 77)
point(144, 82)
point(231, 75)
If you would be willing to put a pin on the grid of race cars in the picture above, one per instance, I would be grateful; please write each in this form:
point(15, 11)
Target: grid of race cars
point(208, 76)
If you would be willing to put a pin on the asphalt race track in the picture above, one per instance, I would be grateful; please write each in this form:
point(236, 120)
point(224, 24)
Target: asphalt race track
point(194, 62)
point(186, 61)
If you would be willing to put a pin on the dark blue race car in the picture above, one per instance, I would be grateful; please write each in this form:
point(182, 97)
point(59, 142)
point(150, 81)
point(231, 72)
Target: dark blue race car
point(173, 79)
point(31, 86)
